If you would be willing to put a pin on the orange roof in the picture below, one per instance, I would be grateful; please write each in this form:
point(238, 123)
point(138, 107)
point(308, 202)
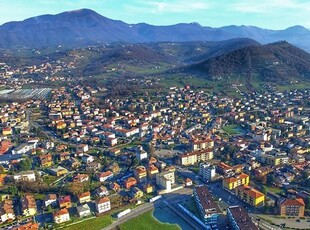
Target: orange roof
point(140, 169)
point(291, 202)
point(85, 194)
point(61, 212)
point(236, 178)
point(28, 226)
point(251, 191)
point(103, 200)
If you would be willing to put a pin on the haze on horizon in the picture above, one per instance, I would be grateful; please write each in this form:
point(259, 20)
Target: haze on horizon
point(269, 14)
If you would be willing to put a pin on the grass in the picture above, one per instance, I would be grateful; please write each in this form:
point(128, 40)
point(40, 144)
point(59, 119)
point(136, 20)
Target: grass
point(231, 129)
point(274, 189)
point(147, 221)
point(92, 224)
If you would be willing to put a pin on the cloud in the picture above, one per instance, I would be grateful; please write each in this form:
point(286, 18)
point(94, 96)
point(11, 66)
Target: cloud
point(176, 6)
point(270, 6)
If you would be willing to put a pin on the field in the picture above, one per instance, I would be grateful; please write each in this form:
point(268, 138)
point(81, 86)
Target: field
point(92, 224)
point(146, 221)
point(231, 129)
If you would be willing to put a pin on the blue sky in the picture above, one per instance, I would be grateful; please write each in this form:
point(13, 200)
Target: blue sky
point(271, 14)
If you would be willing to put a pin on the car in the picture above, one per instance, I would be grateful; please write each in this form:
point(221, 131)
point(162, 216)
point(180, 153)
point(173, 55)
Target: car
point(298, 220)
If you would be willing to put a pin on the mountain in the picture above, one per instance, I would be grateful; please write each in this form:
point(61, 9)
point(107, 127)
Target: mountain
point(274, 62)
point(86, 27)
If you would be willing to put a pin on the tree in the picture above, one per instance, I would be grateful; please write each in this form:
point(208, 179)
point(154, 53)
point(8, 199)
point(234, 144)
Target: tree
point(24, 165)
point(2, 169)
point(13, 190)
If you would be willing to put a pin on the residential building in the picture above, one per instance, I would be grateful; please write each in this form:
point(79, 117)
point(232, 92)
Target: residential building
point(83, 210)
point(140, 174)
point(235, 181)
point(208, 209)
point(25, 176)
point(64, 201)
point(166, 180)
point(28, 205)
point(61, 216)
point(292, 207)
point(239, 219)
point(50, 200)
point(102, 177)
point(58, 171)
point(6, 211)
point(136, 192)
point(206, 171)
point(196, 157)
point(84, 197)
point(130, 182)
point(103, 205)
point(250, 195)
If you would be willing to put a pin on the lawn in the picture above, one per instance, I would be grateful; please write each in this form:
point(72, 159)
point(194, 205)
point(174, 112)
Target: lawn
point(231, 129)
point(146, 221)
point(92, 224)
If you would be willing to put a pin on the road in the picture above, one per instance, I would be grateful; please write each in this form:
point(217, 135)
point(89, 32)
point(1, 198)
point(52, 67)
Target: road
point(134, 213)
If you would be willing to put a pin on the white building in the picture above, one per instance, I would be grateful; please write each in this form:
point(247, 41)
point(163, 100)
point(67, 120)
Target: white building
point(25, 176)
point(61, 216)
point(206, 171)
point(103, 205)
point(166, 180)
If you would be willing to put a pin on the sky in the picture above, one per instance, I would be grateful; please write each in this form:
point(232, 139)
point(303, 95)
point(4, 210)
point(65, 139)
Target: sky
point(270, 14)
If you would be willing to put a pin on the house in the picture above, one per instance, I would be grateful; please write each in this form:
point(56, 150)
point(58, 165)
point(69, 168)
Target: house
point(24, 148)
point(101, 191)
point(188, 182)
point(84, 197)
point(25, 176)
point(115, 187)
point(102, 177)
point(28, 205)
point(103, 205)
point(136, 192)
point(50, 200)
point(166, 180)
point(64, 201)
point(45, 160)
point(152, 171)
point(140, 174)
point(6, 211)
point(61, 216)
point(83, 210)
point(81, 178)
point(292, 207)
point(5, 145)
point(87, 159)
point(82, 148)
point(130, 182)
point(148, 188)
point(58, 171)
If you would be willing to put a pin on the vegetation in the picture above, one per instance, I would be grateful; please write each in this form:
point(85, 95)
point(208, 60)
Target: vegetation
point(91, 224)
point(146, 221)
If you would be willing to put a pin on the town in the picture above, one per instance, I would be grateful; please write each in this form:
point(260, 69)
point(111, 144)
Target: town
point(70, 157)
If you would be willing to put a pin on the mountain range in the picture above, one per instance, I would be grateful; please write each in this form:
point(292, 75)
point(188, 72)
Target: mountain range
point(86, 27)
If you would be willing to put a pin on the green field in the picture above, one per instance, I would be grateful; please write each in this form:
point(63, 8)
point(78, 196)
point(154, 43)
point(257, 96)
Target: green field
point(231, 129)
point(92, 224)
point(146, 221)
